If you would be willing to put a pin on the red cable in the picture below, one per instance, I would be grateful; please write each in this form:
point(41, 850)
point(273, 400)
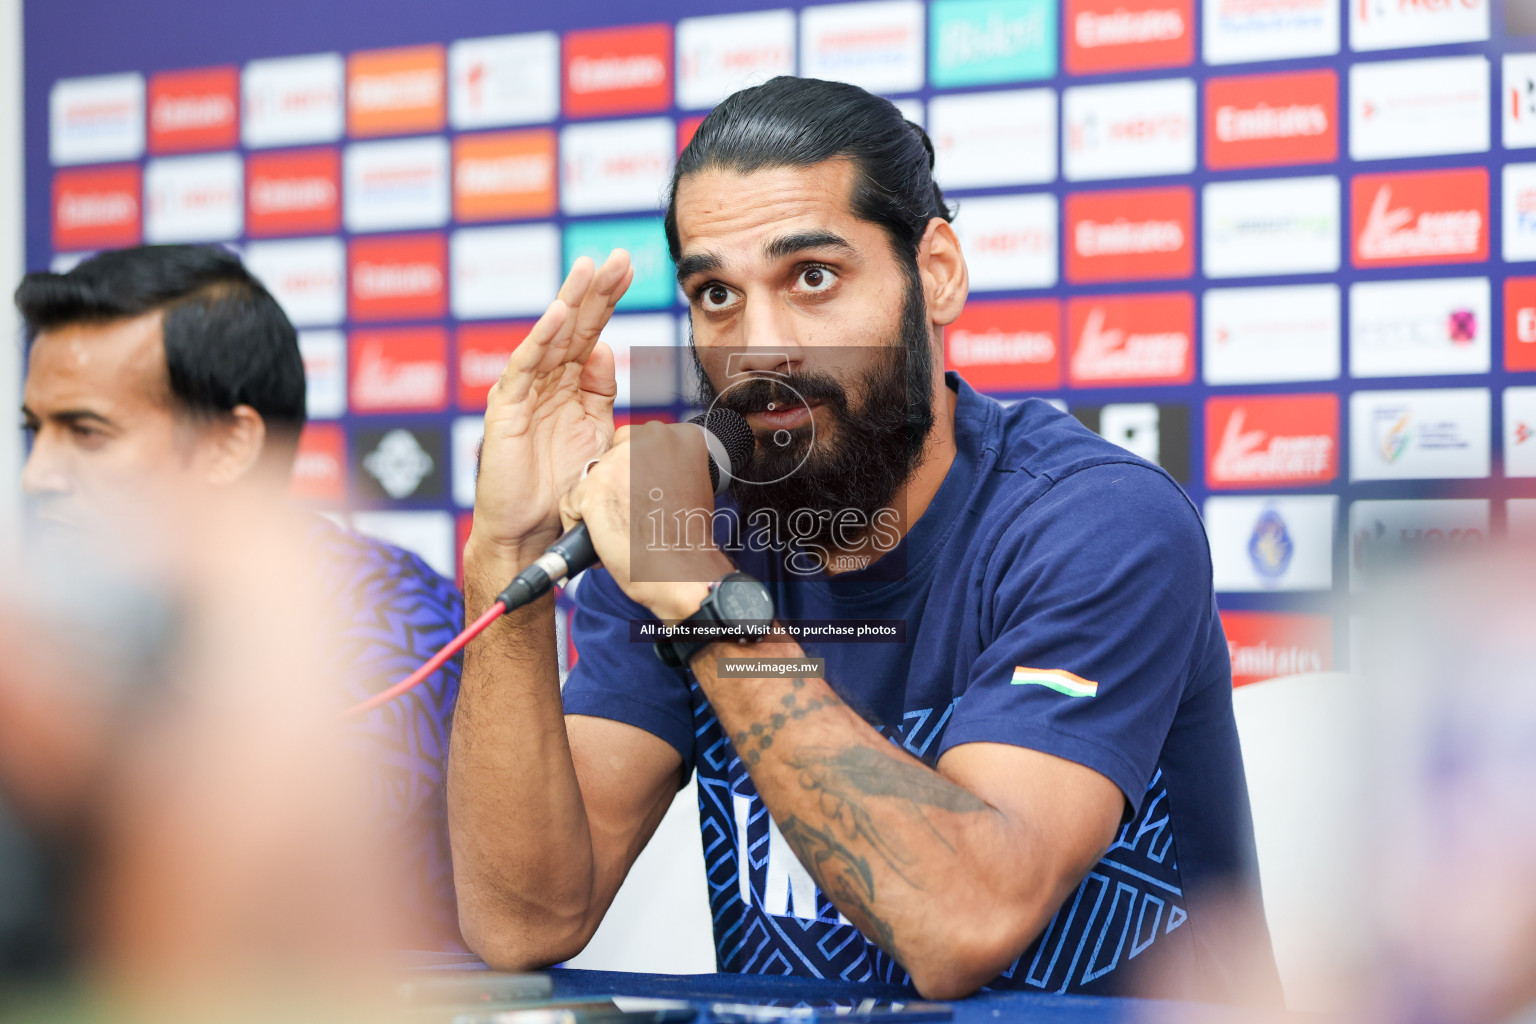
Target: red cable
point(433, 663)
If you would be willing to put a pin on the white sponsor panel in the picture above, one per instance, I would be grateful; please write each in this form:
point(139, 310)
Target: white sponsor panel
point(465, 438)
point(1520, 212)
point(504, 80)
point(1387, 533)
point(1238, 31)
point(194, 198)
point(982, 140)
point(1519, 100)
point(1268, 544)
point(1271, 335)
point(1415, 328)
point(1520, 431)
point(1009, 241)
point(325, 373)
point(91, 120)
point(503, 271)
point(645, 358)
point(1390, 24)
point(307, 277)
point(64, 262)
point(616, 165)
point(1440, 434)
point(720, 54)
point(876, 45)
point(1274, 226)
point(1520, 520)
point(426, 534)
point(1418, 107)
point(289, 101)
point(912, 110)
point(1134, 129)
point(396, 184)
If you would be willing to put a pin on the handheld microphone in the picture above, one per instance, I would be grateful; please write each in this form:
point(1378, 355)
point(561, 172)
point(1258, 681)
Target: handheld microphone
point(730, 442)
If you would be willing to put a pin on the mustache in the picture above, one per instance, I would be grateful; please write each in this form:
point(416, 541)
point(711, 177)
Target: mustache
point(755, 394)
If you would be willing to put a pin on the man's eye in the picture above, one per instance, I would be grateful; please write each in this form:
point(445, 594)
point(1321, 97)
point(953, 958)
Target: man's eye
point(817, 279)
point(715, 297)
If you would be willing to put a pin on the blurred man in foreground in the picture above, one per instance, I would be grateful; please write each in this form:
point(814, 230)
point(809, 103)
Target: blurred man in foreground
point(1034, 784)
point(161, 375)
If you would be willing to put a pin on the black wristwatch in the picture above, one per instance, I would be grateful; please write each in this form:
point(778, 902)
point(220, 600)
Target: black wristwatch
point(734, 603)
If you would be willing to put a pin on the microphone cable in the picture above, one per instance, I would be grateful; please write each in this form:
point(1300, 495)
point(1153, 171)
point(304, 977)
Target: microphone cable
point(410, 682)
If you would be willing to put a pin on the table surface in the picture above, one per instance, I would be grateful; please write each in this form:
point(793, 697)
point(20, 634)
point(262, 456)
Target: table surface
point(984, 1008)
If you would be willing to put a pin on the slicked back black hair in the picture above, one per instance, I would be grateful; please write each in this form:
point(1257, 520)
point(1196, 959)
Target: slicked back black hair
point(227, 341)
point(797, 122)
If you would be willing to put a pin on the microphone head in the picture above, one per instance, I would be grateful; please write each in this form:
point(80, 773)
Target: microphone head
point(730, 441)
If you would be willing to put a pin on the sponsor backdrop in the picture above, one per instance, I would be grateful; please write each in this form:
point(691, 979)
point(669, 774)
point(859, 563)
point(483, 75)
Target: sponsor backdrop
point(1285, 248)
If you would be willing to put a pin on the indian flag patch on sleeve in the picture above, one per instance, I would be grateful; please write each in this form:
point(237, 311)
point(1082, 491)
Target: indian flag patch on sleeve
point(1055, 679)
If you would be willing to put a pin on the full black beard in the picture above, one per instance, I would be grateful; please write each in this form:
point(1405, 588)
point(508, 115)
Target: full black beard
point(871, 450)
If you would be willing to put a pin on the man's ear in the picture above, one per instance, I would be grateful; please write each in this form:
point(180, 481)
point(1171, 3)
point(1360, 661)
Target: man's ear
point(238, 440)
point(941, 267)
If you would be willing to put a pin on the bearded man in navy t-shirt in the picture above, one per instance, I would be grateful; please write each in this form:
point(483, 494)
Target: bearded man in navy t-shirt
point(1025, 775)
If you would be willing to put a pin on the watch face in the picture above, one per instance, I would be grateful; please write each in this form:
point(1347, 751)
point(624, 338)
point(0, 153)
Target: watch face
point(741, 600)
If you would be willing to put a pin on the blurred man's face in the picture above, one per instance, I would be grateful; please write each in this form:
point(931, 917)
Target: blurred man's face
point(806, 322)
point(104, 434)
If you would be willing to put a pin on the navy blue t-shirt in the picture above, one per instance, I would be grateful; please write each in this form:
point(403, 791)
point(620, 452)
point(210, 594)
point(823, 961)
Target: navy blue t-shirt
point(1057, 596)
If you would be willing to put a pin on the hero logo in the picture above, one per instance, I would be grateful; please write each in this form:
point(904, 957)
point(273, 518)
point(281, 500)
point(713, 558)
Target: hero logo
point(399, 370)
point(1385, 24)
point(718, 55)
point(1131, 339)
point(1121, 35)
point(1009, 241)
point(1266, 645)
point(1265, 441)
point(1130, 235)
point(306, 276)
point(1118, 131)
point(1421, 217)
point(614, 166)
point(1519, 100)
point(1384, 534)
point(293, 100)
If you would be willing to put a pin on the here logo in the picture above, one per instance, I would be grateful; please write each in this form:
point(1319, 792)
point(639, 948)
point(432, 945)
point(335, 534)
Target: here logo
point(1135, 234)
point(1271, 440)
point(618, 71)
point(1272, 120)
point(1009, 345)
point(1420, 217)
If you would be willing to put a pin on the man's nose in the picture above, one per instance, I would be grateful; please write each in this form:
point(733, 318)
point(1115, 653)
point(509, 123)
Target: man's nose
point(44, 473)
point(769, 342)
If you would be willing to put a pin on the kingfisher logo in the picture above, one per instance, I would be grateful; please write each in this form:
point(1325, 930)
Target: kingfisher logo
point(1267, 645)
point(1131, 339)
point(1127, 35)
point(97, 208)
point(293, 100)
point(1271, 120)
point(398, 278)
point(1006, 345)
point(293, 193)
point(1420, 217)
point(1389, 24)
point(618, 71)
point(191, 110)
point(1271, 441)
point(399, 370)
point(878, 45)
point(504, 175)
point(483, 351)
point(1130, 235)
point(396, 92)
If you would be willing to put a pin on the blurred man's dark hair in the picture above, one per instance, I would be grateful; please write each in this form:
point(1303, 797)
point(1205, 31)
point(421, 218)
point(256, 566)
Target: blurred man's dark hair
point(798, 122)
point(227, 341)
